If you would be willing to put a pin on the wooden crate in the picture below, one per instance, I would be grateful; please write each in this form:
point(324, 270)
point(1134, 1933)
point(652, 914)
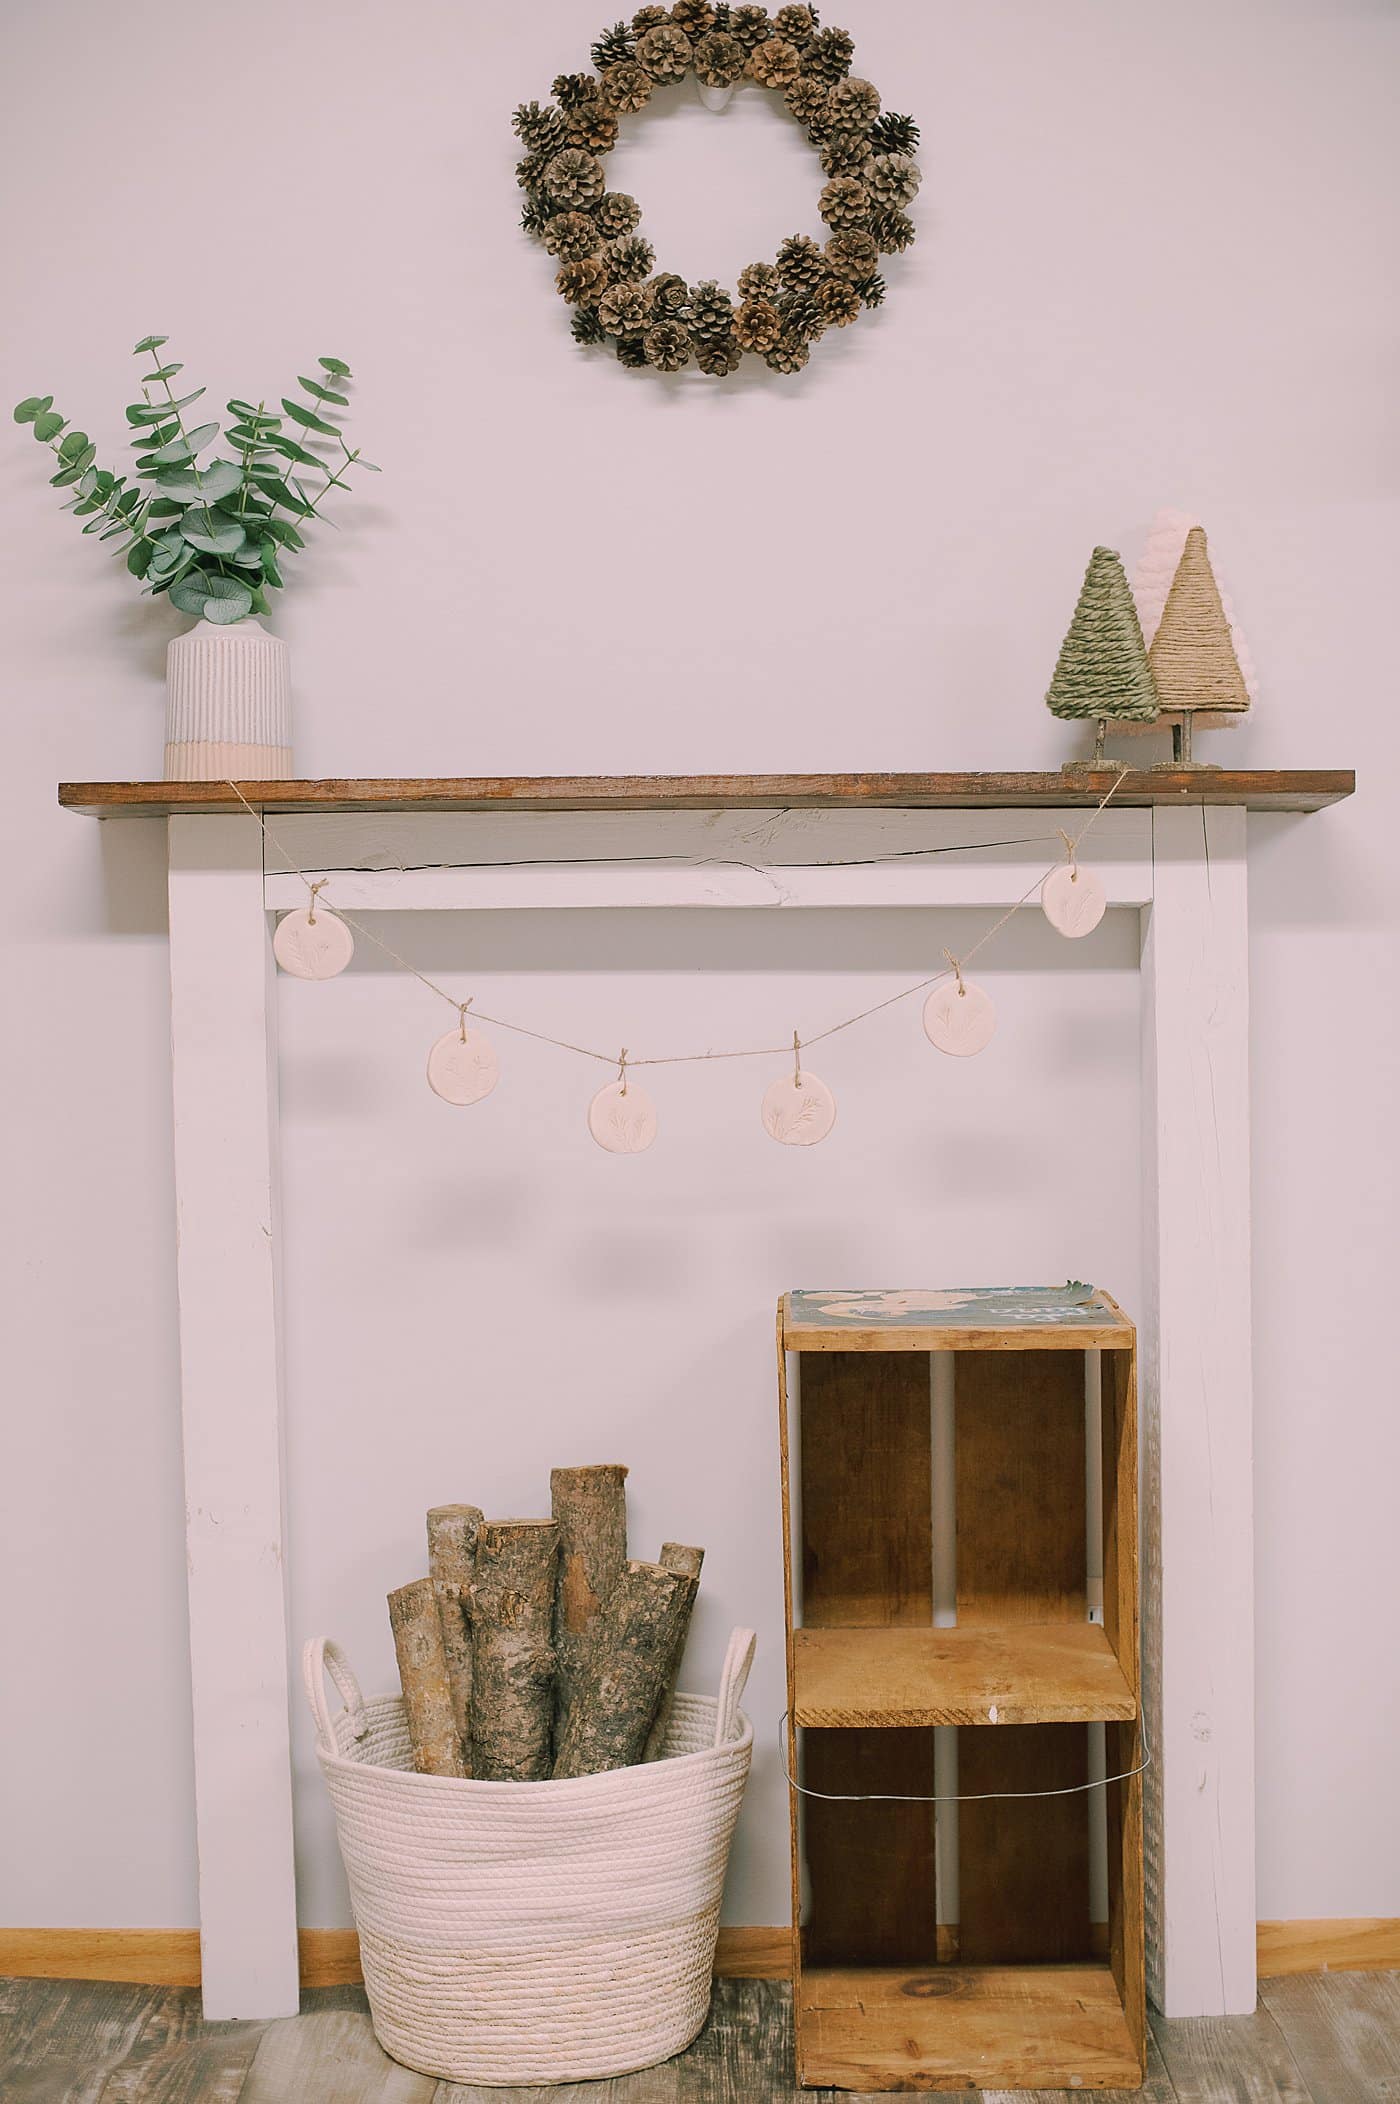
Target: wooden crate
point(1023, 1991)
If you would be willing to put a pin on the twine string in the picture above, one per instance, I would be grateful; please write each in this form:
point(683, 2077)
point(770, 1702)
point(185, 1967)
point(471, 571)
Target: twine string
point(796, 1060)
point(680, 1059)
point(1099, 1782)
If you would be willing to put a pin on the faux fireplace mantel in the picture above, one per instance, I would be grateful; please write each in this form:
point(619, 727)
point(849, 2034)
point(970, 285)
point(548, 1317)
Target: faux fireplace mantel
point(1171, 847)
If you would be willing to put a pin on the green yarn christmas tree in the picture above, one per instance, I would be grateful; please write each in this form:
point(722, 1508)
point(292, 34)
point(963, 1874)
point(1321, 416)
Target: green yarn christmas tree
point(1103, 675)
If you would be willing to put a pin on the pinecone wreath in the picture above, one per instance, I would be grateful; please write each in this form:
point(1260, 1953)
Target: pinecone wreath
point(605, 267)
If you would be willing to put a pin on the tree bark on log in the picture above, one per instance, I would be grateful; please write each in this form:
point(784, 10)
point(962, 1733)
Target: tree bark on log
point(635, 1639)
point(512, 1617)
point(427, 1692)
point(590, 1510)
point(451, 1554)
point(675, 1556)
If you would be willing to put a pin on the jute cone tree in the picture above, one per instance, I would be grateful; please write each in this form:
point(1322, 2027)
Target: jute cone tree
point(1103, 675)
point(1193, 657)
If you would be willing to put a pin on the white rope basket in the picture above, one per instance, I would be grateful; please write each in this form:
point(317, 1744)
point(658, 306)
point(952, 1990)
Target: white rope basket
point(516, 1933)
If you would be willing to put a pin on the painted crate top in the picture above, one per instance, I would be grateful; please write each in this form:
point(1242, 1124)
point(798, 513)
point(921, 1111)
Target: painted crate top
point(953, 1318)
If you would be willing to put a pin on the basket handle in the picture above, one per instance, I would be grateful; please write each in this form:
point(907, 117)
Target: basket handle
point(737, 1660)
point(319, 1656)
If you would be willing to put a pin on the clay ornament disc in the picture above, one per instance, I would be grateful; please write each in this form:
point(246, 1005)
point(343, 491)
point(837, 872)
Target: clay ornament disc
point(623, 1124)
point(313, 949)
point(798, 1111)
point(1073, 900)
point(463, 1070)
point(958, 1019)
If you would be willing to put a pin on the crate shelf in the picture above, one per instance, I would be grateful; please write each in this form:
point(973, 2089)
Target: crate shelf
point(959, 2027)
point(953, 1947)
point(1052, 1673)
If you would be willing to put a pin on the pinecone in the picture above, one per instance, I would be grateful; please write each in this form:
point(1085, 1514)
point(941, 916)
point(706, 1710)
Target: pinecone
point(534, 215)
point(757, 325)
point(801, 264)
point(788, 355)
point(807, 99)
point(828, 56)
point(630, 258)
point(570, 235)
point(838, 300)
point(570, 89)
point(648, 18)
point(774, 64)
point(625, 87)
point(616, 214)
point(693, 16)
point(582, 282)
point(664, 52)
point(539, 126)
point(894, 134)
point(852, 254)
point(796, 23)
point(751, 26)
point(893, 180)
point(667, 345)
point(719, 60)
point(624, 310)
point(802, 317)
point(758, 281)
point(718, 356)
point(593, 127)
point(844, 202)
point(574, 179)
point(854, 106)
point(892, 232)
point(872, 291)
point(613, 48)
point(670, 297)
point(711, 312)
point(631, 351)
point(529, 173)
point(845, 153)
point(586, 326)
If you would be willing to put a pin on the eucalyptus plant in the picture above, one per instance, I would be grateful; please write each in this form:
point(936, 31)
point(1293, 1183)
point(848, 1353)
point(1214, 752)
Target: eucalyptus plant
point(210, 527)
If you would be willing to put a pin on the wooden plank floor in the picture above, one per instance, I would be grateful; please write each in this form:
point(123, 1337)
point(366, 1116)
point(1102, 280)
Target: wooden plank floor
point(1316, 2038)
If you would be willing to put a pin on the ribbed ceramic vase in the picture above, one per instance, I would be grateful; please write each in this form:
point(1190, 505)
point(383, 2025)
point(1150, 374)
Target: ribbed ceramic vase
point(229, 715)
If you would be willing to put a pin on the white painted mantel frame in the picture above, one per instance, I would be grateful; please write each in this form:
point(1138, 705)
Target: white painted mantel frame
point(1182, 869)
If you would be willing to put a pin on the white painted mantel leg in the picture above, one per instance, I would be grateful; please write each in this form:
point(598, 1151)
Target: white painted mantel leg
point(1198, 1626)
point(224, 1054)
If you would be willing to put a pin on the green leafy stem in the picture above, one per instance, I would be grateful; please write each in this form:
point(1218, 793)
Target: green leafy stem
point(211, 532)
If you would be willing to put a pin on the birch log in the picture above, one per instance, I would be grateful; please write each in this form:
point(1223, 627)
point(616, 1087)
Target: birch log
point(427, 1693)
point(512, 1616)
point(616, 1702)
point(451, 1550)
point(675, 1556)
point(590, 1511)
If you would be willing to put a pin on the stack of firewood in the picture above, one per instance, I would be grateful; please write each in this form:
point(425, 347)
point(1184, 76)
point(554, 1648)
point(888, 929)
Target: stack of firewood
point(534, 1648)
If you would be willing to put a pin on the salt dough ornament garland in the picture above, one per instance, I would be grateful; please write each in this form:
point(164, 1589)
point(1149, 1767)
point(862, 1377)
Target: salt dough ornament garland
point(798, 1110)
point(959, 1018)
point(462, 1066)
point(622, 1117)
point(606, 268)
point(1073, 900)
point(313, 942)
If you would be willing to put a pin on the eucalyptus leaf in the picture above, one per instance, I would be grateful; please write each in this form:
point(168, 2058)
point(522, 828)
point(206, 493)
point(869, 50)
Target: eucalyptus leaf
point(86, 458)
point(47, 425)
point(319, 393)
point(337, 366)
point(185, 446)
point(128, 500)
point(65, 478)
point(73, 444)
point(282, 530)
point(308, 419)
point(149, 343)
point(190, 593)
point(87, 480)
point(290, 450)
point(163, 508)
point(156, 435)
point(260, 605)
point(165, 372)
point(268, 552)
point(138, 557)
point(212, 532)
point(229, 600)
point(147, 412)
point(32, 406)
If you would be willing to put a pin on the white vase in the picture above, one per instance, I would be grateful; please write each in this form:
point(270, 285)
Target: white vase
point(230, 707)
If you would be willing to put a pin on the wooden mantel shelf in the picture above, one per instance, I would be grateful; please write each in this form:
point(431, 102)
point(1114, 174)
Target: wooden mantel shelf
point(1258, 790)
